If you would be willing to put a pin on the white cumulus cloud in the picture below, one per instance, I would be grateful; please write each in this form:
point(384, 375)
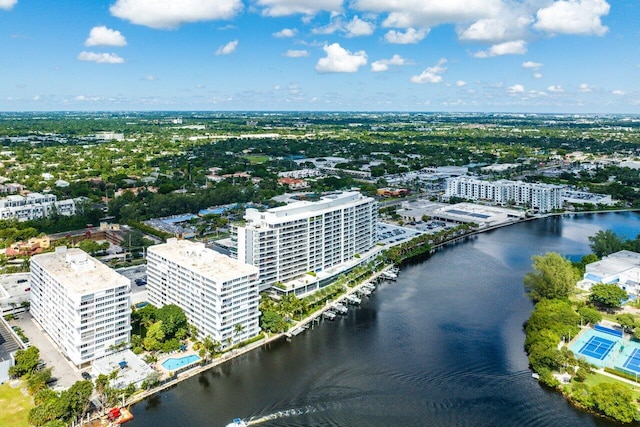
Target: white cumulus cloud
point(227, 48)
point(537, 75)
point(384, 64)
point(291, 53)
point(411, 35)
point(431, 74)
point(461, 83)
point(286, 33)
point(555, 89)
point(100, 58)
point(573, 17)
point(428, 13)
point(169, 14)
point(150, 78)
point(515, 89)
point(340, 60)
point(291, 7)
point(531, 64)
point(509, 24)
point(517, 47)
point(618, 92)
point(586, 88)
point(359, 27)
point(7, 4)
point(103, 36)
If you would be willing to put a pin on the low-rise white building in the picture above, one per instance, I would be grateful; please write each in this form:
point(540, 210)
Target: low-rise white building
point(539, 197)
point(217, 293)
point(83, 305)
point(621, 268)
point(34, 206)
point(582, 197)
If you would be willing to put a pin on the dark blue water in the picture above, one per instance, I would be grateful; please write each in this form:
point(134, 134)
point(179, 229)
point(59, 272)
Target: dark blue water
point(442, 346)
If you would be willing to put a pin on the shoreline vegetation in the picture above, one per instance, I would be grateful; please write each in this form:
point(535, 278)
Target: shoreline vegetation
point(563, 313)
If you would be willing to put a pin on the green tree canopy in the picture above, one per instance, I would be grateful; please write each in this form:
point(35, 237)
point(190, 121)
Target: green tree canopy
point(556, 316)
point(26, 362)
point(553, 276)
point(589, 315)
point(606, 242)
point(627, 321)
point(614, 400)
point(172, 318)
point(154, 338)
point(37, 380)
point(609, 296)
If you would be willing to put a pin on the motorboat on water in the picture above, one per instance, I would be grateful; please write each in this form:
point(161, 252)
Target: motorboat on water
point(237, 422)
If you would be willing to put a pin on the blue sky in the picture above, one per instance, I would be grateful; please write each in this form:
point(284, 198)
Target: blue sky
point(567, 56)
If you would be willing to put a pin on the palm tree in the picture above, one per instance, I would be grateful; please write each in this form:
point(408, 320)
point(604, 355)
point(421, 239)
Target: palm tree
point(238, 329)
point(211, 346)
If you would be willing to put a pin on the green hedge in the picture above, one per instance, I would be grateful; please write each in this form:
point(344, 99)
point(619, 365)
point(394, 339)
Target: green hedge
point(149, 230)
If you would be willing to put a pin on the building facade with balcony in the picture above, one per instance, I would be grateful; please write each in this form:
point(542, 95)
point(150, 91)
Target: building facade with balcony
point(539, 197)
point(218, 294)
point(306, 237)
point(83, 305)
point(34, 206)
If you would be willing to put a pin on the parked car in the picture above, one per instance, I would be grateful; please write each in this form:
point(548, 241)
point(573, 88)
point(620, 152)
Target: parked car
point(86, 375)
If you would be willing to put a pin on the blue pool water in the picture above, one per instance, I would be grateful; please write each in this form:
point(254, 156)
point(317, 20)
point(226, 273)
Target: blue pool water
point(179, 362)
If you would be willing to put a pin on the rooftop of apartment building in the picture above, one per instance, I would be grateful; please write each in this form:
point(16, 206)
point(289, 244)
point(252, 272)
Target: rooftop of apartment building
point(199, 259)
point(81, 273)
point(302, 209)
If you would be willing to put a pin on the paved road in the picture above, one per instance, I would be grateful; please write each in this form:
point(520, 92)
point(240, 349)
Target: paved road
point(63, 369)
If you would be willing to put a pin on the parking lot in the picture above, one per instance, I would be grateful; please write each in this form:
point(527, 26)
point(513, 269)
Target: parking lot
point(63, 369)
point(139, 289)
point(392, 234)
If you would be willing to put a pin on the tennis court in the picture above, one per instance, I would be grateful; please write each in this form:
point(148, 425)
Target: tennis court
point(615, 332)
point(633, 361)
point(597, 347)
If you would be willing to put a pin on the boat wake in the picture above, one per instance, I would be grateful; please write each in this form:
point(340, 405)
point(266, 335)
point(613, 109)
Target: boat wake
point(283, 414)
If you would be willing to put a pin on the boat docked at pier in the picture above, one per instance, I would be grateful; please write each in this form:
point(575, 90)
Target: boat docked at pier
point(329, 315)
point(352, 299)
point(340, 308)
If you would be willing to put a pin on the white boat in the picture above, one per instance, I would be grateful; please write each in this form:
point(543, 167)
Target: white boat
point(389, 275)
point(352, 299)
point(237, 422)
point(329, 315)
point(364, 291)
point(340, 308)
point(370, 286)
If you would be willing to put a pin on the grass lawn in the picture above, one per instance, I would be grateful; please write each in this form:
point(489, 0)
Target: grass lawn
point(596, 378)
point(15, 407)
point(256, 158)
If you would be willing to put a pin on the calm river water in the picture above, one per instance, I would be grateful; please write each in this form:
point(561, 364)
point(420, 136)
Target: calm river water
point(442, 346)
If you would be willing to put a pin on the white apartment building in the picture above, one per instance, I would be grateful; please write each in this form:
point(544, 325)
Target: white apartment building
point(289, 241)
point(216, 292)
point(34, 206)
point(539, 197)
point(82, 304)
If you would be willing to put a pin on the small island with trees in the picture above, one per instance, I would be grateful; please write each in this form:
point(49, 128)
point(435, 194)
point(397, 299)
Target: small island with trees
point(564, 312)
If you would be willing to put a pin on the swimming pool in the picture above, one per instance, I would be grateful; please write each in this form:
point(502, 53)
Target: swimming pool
point(179, 362)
